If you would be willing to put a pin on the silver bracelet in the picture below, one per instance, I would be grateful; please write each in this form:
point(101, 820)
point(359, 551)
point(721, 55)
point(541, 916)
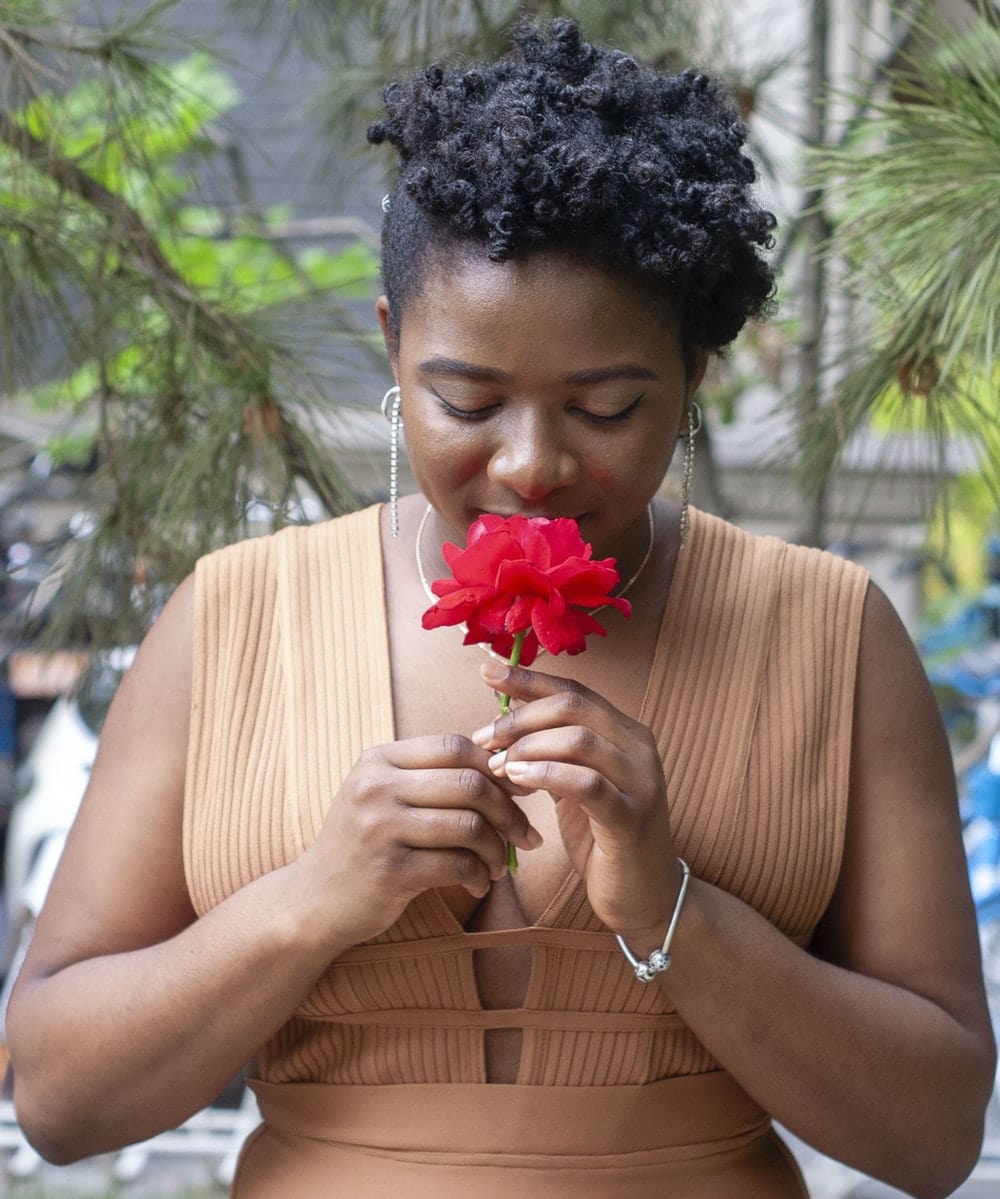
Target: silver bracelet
point(659, 959)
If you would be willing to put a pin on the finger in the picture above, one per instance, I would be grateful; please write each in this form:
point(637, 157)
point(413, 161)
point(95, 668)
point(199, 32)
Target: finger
point(448, 750)
point(435, 750)
point(473, 791)
point(551, 703)
point(596, 795)
point(521, 683)
point(461, 828)
point(577, 745)
point(445, 750)
point(428, 868)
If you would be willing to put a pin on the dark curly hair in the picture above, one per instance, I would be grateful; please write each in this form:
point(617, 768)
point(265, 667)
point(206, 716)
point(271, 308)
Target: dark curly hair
point(577, 148)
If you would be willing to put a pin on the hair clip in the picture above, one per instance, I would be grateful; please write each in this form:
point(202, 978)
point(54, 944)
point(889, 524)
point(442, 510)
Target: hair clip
point(385, 202)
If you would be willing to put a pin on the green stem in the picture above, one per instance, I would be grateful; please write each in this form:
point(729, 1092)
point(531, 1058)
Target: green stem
point(515, 657)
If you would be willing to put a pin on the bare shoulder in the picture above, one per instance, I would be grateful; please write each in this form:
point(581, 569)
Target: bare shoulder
point(902, 911)
point(120, 883)
point(888, 658)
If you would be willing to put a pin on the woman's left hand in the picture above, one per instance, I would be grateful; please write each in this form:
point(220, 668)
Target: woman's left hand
point(604, 773)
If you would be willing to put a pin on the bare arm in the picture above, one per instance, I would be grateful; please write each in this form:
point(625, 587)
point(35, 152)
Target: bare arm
point(876, 1047)
point(118, 953)
point(130, 1013)
point(877, 1050)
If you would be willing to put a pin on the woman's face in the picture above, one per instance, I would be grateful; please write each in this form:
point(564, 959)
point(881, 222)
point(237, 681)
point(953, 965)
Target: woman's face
point(543, 387)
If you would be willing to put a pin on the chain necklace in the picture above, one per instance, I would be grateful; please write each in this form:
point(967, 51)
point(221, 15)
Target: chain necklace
point(541, 649)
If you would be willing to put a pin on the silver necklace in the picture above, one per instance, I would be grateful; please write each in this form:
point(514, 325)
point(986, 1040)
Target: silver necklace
point(541, 649)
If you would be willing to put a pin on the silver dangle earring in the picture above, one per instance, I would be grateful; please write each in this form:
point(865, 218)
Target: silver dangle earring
point(390, 410)
point(687, 475)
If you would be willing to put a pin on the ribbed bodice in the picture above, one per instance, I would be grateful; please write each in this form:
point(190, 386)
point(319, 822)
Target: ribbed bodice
point(749, 696)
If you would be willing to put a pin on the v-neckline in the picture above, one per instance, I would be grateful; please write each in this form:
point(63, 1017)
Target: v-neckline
point(572, 882)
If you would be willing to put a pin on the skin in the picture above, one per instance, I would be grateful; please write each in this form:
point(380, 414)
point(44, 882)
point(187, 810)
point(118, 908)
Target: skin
point(130, 1013)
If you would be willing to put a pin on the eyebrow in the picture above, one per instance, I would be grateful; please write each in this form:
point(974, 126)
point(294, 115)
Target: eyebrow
point(455, 368)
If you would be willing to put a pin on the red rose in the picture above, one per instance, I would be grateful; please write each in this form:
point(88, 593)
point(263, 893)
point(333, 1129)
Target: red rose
point(524, 575)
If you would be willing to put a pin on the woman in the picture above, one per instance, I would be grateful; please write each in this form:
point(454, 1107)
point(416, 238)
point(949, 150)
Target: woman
point(292, 851)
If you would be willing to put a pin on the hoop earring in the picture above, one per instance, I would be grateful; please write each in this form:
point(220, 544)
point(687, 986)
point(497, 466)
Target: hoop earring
point(390, 410)
point(694, 419)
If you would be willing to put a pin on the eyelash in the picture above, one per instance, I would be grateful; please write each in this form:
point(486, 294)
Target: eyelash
point(463, 413)
point(595, 418)
point(618, 416)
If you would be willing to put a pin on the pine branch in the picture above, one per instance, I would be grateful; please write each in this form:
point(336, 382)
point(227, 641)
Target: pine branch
point(211, 328)
point(223, 338)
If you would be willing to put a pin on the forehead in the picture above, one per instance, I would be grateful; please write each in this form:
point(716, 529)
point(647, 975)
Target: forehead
point(534, 309)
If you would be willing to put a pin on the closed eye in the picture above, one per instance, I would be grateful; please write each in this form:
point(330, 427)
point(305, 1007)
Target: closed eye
point(599, 419)
point(480, 413)
point(463, 413)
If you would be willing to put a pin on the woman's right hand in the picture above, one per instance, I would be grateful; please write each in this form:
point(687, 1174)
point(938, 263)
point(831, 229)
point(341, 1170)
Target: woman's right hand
point(411, 815)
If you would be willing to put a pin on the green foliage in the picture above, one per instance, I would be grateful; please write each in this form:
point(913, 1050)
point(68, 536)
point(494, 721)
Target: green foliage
point(159, 327)
point(916, 191)
point(958, 532)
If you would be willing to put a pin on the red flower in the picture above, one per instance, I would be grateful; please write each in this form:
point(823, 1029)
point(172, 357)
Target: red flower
point(524, 575)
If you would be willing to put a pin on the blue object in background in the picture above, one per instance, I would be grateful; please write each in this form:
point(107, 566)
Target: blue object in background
point(8, 721)
point(974, 673)
point(981, 794)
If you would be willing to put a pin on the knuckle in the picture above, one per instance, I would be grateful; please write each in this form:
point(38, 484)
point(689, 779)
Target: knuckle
point(370, 757)
point(543, 776)
point(592, 784)
point(471, 826)
point(368, 828)
point(470, 784)
point(370, 794)
point(504, 726)
point(453, 746)
point(582, 740)
point(572, 701)
point(369, 782)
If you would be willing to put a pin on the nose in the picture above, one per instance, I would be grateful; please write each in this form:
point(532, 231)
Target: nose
point(532, 459)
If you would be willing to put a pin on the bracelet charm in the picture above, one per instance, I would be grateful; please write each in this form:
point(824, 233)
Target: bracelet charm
point(659, 960)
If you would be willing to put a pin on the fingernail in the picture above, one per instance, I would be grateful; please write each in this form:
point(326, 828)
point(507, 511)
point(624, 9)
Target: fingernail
point(494, 672)
point(515, 770)
point(534, 838)
point(496, 763)
point(483, 736)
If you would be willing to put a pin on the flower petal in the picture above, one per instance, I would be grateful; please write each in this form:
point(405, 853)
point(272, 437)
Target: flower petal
point(520, 577)
point(518, 617)
point(524, 575)
point(565, 541)
point(566, 634)
point(578, 575)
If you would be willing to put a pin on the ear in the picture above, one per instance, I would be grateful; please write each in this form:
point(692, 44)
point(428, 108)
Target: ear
point(696, 367)
point(391, 344)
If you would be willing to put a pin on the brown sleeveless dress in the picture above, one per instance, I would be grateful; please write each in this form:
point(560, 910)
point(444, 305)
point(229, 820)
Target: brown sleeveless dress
point(376, 1086)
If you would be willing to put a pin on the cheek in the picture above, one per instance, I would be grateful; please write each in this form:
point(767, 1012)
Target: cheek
point(629, 466)
point(447, 455)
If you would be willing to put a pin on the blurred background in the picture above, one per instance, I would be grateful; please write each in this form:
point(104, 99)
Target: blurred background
point(189, 222)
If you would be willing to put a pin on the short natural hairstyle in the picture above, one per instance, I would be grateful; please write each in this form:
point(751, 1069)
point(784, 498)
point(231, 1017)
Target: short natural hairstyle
point(577, 148)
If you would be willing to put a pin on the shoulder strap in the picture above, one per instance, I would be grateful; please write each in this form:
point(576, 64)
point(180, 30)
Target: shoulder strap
point(705, 683)
point(331, 606)
point(237, 694)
